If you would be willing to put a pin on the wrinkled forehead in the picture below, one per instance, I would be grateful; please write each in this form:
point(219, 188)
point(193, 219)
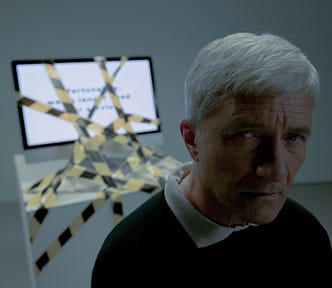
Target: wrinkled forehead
point(269, 112)
point(296, 103)
point(296, 108)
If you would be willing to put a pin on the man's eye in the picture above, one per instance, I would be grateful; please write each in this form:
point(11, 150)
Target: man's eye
point(294, 138)
point(246, 134)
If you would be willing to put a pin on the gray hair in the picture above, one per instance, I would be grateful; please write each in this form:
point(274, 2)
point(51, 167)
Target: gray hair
point(245, 64)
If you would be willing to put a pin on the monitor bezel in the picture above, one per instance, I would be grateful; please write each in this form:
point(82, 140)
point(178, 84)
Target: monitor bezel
point(16, 62)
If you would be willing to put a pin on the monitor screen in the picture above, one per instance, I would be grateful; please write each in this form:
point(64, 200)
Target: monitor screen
point(83, 81)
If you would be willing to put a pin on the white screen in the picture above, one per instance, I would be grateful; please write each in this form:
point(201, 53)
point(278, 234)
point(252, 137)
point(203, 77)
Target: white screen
point(84, 82)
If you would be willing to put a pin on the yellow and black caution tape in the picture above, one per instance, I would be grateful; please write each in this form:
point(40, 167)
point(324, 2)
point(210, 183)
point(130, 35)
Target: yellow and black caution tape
point(118, 162)
point(129, 186)
point(111, 79)
point(66, 235)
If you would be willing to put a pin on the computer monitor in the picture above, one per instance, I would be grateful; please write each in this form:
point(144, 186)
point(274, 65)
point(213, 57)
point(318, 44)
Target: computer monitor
point(46, 137)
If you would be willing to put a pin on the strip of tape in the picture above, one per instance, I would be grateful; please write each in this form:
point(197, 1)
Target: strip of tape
point(46, 197)
point(88, 161)
point(67, 234)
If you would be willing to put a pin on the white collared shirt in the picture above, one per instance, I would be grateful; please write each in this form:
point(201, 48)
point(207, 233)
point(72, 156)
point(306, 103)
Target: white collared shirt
point(202, 230)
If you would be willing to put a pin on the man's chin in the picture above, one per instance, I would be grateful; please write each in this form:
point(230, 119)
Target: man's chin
point(264, 217)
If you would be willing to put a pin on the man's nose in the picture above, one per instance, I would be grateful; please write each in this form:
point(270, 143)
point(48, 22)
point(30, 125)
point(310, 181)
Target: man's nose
point(272, 162)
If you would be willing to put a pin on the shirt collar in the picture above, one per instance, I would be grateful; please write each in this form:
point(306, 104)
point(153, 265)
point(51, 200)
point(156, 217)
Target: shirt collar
point(202, 230)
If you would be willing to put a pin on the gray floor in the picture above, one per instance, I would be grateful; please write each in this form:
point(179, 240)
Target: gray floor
point(14, 268)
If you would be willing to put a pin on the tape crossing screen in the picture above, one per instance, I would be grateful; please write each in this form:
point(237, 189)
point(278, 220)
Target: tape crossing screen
point(83, 81)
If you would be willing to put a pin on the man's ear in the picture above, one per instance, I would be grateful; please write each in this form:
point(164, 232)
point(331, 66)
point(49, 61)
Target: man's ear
point(188, 135)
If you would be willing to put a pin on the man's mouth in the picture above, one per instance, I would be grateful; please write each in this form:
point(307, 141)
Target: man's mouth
point(259, 194)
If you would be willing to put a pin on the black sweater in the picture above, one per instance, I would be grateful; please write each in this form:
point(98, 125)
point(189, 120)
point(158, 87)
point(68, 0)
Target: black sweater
point(150, 244)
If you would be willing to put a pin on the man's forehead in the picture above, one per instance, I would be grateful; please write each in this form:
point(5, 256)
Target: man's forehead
point(298, 103)
point(245, 112)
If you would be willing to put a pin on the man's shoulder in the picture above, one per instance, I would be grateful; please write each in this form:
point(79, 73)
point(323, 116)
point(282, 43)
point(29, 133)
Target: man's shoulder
point(297, 219)
point(294, 211)
point(155, 205)
point(152, 219)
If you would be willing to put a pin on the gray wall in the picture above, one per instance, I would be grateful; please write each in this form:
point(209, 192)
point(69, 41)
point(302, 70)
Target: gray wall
point(171, 32)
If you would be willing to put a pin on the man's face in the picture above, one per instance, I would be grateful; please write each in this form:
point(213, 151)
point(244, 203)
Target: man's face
point(248, 154)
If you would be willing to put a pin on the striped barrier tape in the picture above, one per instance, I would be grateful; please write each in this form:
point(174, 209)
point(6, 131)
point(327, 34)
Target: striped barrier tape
point(141, 168)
